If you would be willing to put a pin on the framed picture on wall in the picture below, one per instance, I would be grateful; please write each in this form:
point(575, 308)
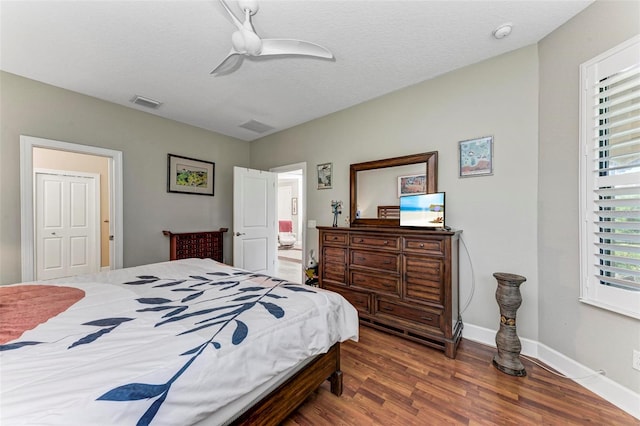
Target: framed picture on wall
point(412, 184)
point(476, 157)
point(325, 175)
point(190, 176)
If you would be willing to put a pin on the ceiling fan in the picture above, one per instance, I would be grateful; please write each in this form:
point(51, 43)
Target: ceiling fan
point(245, 42)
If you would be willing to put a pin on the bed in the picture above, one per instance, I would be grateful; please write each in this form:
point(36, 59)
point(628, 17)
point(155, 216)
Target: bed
point(184, 342)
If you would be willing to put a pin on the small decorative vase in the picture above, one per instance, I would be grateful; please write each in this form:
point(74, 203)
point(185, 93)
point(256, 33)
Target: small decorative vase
point(509, 299)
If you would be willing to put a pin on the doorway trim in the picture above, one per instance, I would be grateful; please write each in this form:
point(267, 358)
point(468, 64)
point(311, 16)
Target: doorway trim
point(27, 185)
point(302, 206)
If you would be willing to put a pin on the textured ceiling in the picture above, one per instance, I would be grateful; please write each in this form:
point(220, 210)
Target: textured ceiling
point(165, 50)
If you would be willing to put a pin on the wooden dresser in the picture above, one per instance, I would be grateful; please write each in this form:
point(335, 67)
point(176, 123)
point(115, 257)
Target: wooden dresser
point(403, 281)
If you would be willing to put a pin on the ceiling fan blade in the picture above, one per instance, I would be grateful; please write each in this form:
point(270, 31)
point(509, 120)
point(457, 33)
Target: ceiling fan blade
point(293, 47)
point(235, 20)
point(226, 64)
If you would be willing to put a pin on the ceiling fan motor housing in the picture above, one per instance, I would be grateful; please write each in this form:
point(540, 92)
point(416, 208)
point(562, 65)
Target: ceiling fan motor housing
point(246, 42)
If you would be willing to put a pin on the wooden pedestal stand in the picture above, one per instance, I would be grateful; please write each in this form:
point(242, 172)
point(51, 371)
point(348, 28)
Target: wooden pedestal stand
point(509, 299)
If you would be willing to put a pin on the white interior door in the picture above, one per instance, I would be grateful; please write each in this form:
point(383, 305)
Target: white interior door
point(254, 220)
point(67, 233)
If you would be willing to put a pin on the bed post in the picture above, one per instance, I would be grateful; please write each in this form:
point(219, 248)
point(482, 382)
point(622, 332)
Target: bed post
point(336, 376)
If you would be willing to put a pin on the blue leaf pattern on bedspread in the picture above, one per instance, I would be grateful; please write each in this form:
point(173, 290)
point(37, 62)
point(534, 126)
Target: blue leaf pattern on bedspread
point(17, 345)
point(218, 287)
point(108, 324)
point(190, 306)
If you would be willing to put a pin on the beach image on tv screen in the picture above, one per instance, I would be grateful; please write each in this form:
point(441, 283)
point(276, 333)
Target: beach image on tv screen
point(422, 210)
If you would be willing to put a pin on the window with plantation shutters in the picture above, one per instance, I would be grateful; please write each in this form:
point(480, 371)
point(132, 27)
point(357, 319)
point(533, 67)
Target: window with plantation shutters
point(610, 179)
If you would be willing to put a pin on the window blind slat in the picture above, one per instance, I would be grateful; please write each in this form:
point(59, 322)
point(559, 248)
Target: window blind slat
point(631, 202)
point(628, 274)
point(619, 226)
point(633, 71)
point(617, 112)
point(618, 247)
point(626, 190)
point(619, 238)
point(625, 214)
point(616, 282)
point(620, 259)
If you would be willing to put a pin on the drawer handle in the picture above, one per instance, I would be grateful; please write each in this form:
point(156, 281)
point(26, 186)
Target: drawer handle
point(335, 238)
point(387, 308)
point(386, 243)
point(387, 262)
point(421, 245)
point(361, 240)
point(427, 318)
point(360, 258)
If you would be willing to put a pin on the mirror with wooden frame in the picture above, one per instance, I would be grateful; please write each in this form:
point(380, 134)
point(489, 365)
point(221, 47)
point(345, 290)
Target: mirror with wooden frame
point(376, 187)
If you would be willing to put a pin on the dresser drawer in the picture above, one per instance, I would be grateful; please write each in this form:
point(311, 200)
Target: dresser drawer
point(375, 260)
point(335, 237)
point(361, 301)
point(334, 255)
point(336, 272)
point(380, 283)
point(423, 278)
point(410, 313)
point(375, 241)
point(427, 246)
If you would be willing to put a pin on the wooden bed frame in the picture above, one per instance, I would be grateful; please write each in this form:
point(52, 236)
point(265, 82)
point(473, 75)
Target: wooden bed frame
point(276, 406)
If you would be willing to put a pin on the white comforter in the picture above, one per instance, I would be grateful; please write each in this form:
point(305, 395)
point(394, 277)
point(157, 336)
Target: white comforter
point(165, 344)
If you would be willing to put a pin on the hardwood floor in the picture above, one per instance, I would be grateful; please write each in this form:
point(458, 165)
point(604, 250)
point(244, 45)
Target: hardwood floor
point(390, 381)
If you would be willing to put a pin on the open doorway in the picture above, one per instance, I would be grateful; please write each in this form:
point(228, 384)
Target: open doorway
point(290, 259)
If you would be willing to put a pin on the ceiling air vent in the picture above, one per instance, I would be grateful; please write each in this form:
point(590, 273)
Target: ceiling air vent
point(146, 102)
point(256, 126)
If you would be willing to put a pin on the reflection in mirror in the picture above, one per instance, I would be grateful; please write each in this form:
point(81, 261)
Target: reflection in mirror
point(380, 187)
point(375, 188)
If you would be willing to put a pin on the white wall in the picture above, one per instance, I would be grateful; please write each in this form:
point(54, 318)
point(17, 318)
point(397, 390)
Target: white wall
point(596, 338)
point(497, 213)
point(35, 109)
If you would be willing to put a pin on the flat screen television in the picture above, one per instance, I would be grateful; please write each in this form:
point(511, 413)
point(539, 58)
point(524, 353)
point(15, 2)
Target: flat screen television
point(423, 210)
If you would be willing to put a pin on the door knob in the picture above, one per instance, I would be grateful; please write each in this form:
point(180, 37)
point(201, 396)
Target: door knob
point(237, 234)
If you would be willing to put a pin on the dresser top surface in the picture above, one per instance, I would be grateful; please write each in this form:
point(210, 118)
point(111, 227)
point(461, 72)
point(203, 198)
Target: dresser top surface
point(389, 230)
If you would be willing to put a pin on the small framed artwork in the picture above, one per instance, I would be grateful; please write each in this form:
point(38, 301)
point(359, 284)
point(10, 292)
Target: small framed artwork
point(294, 206)
point(190, 176)
point(476, 157)
point(411, 185)
point(325, 175)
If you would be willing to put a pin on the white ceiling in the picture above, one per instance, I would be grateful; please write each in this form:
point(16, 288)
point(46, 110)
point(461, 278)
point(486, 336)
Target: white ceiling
point(165, 50)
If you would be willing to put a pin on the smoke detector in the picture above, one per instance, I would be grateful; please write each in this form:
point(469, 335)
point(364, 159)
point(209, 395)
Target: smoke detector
point(502, 31)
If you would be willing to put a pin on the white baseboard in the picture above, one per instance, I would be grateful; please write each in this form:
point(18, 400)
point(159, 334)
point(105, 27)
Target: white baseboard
point(602, 386)
point(105, 268)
